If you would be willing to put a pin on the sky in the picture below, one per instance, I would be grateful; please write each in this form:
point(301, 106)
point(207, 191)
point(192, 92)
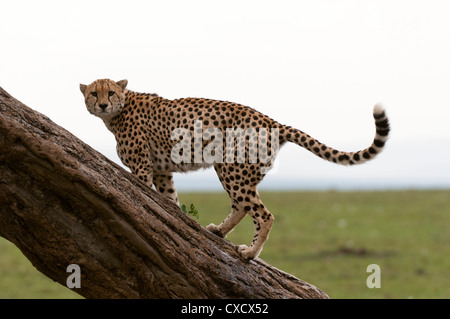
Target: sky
point(319, 66)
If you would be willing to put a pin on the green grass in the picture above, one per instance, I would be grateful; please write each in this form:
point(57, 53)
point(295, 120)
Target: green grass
point(329, 239)
point(325, 238)
point(19, 278)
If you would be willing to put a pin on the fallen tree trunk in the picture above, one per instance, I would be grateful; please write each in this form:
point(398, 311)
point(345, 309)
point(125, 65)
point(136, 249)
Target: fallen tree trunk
point(62, 203)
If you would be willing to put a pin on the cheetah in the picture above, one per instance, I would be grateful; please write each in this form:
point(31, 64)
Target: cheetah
point(157, 137)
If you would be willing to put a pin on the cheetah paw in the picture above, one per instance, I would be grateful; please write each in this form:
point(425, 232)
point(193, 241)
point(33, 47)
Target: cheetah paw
point(215, 230)
point(246, 252)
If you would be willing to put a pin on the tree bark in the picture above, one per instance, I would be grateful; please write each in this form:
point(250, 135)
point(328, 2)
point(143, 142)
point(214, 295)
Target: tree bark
point(62, 203)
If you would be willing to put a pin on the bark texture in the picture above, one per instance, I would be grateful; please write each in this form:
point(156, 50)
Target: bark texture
point(62, 202)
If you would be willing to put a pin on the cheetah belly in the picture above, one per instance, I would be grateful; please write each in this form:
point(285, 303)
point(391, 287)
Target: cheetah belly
point(164, 163)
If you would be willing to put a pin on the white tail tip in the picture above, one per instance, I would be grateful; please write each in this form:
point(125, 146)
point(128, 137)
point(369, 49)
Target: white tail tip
point(378, 108)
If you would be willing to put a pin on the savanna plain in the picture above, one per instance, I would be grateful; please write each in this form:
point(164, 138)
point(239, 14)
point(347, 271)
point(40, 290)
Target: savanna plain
point(327, 238)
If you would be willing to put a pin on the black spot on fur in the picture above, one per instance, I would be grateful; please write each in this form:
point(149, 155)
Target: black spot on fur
point(379, 143)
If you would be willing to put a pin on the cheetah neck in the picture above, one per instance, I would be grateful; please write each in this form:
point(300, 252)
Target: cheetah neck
point(108, 123)
point(131, 99)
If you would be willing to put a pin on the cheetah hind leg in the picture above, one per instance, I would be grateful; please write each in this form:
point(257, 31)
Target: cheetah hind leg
point(229, 223)
point(262, 220)
point(237, 214)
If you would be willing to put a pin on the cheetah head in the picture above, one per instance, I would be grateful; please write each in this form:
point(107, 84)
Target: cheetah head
point(104, 98)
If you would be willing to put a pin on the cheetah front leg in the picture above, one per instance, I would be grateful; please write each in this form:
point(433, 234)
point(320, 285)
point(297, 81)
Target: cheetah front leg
point(137, 159)
point(164, 184)
point(143, 169)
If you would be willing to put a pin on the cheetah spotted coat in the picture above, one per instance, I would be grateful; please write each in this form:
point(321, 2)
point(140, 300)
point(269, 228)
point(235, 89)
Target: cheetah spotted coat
point(148, 128)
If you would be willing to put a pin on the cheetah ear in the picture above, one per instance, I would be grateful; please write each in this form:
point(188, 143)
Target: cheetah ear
point(122, 84)
point(83, 88)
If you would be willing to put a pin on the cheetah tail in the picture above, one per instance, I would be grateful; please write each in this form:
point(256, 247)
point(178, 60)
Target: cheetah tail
point(344, 158)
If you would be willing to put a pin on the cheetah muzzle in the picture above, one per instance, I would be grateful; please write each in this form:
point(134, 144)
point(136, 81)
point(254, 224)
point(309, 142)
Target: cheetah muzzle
point(156, 137)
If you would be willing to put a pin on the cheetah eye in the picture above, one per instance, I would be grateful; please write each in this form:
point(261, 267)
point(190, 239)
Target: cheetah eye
point(111, 93)
point(94, 94)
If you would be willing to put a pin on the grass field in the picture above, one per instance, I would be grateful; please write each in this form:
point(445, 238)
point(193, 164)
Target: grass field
point(325, 238)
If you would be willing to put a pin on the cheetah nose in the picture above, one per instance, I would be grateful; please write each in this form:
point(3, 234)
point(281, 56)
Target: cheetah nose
point(103, 106)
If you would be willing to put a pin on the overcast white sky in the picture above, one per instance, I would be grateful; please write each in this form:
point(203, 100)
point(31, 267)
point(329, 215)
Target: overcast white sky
point(317, 65)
